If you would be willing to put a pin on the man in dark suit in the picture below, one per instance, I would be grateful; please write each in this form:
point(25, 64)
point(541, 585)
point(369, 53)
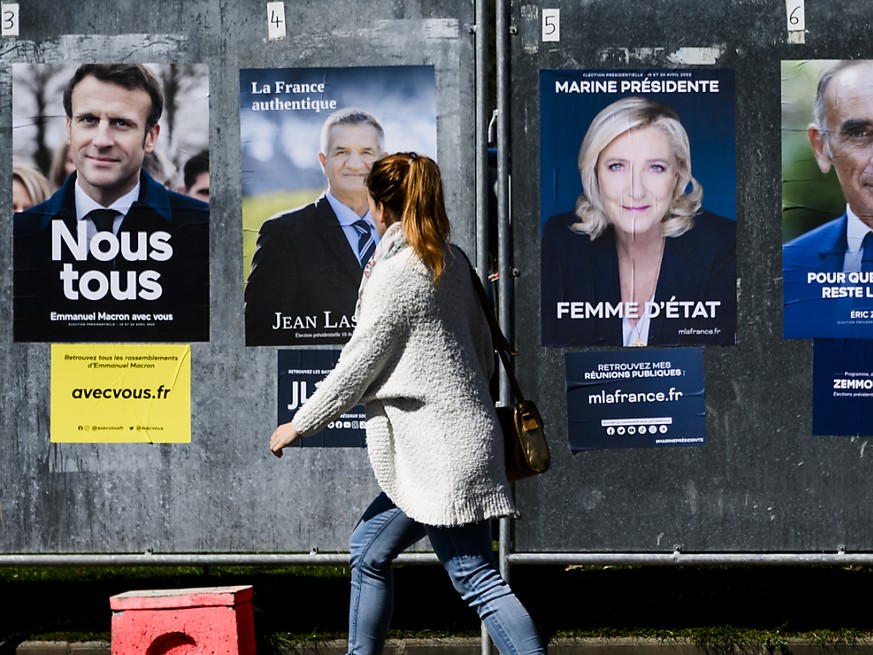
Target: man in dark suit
point(307, 265)
point(112, 255)
point(828, 272)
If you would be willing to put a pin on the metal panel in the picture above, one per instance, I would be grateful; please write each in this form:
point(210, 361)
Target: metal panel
point(224, 492)
point(762, 483)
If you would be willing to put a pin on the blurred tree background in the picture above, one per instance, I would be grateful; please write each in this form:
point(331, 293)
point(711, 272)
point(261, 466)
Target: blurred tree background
point(809, 198)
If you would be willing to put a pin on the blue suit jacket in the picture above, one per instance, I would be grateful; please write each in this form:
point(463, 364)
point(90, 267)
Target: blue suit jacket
point(697, 266)
point(183, 278)
point(304, 270)
point(806, 313)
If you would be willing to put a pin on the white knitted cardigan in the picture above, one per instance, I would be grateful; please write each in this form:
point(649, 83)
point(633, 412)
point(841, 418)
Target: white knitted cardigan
point(420, 358)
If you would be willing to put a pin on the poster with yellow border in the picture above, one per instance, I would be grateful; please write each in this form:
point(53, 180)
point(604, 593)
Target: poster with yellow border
point(114, 393)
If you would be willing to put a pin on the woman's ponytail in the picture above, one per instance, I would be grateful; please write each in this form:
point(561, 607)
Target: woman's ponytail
point(410, 186)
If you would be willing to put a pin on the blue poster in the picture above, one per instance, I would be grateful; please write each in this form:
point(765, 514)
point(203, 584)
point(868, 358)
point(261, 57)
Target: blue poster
point(638, 207)
point(300, 372)
point(110, 239)
point(842, 392)
point(827, 201)
point(309, 136)
point(635, 399)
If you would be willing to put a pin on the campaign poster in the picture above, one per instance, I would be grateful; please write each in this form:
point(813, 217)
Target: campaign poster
point(111, 230)
point(638, 207)
point(842, 387)
point(300, 373)
point(827, 199)
point(635, 399)
point(309, 138)
point(120, 393)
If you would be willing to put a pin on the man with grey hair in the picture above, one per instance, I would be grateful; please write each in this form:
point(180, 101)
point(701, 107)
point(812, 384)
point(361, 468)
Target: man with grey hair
point(827, 271)
point(308, 262)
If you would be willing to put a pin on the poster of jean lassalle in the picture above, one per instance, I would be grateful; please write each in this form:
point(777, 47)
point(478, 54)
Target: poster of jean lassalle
point(827, 198)
point(638, 207)
point(111, 231)
point(309, 138)
point(300, 372)
point(121, 393)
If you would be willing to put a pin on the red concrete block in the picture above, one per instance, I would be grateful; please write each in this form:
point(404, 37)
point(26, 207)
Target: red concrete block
point(205, 621)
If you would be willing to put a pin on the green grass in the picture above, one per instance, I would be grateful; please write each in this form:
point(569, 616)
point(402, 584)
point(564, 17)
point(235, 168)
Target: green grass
point(721, 609)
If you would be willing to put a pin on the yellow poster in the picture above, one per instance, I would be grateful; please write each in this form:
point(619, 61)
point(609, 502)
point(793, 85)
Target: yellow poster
point(121, 393)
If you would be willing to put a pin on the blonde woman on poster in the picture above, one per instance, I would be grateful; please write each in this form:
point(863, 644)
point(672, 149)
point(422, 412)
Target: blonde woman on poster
point(639, 262)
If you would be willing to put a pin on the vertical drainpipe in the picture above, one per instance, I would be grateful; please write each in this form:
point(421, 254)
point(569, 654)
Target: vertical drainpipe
point(480, 31)
point(504, 267)
point(481, 57)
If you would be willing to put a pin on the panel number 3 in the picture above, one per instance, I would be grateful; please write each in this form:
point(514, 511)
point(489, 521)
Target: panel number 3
point(9, 19)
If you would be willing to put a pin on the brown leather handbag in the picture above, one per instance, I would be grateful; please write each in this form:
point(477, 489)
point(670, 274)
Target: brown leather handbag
point(524, 438)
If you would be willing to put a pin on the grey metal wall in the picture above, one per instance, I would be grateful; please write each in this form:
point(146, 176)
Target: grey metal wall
point(762, 483)
point(224, 492)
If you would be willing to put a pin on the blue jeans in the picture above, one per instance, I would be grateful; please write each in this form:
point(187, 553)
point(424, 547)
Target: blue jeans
point(465, 551)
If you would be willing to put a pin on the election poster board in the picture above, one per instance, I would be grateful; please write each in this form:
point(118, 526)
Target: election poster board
point(300, 373)
point(842, 391)
point(597, 291)
point(827, 285)
point(141, 273)
point(120, 393)
point(633, 398)
point(300, 248)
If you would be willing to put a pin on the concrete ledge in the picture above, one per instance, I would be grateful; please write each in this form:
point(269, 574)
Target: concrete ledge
point(472, 646)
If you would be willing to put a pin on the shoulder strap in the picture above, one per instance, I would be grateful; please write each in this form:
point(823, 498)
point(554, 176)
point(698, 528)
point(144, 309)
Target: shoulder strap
point(501, 344)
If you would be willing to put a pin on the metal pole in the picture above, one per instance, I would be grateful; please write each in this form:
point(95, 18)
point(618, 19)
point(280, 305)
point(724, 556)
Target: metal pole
point(677, 558)
point(197, 559)
point(480, 31)
point(482, 250)
point(504, 267)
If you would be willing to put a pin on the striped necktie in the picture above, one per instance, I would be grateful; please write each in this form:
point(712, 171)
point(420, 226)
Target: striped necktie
point(366, 244)
point(867, 252)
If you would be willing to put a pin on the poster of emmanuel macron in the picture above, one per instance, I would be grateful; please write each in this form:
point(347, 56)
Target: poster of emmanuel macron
point(115, 253)
point(827, 198)
point(309, 138)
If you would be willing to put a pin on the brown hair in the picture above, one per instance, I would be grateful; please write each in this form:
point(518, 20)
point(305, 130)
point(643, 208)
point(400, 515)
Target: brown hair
point(410, 188)
point(128, 76)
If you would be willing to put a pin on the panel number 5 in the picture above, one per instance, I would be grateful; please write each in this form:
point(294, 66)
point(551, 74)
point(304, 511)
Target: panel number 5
point(551, 24)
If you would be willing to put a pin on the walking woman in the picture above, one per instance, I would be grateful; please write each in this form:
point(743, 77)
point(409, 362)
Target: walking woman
point(420, 359)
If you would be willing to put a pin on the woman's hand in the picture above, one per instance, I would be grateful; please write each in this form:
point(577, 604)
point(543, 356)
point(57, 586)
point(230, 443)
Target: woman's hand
point(284, 435)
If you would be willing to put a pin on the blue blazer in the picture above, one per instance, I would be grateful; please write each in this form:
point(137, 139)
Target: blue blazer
point(698, 266)
point(806, 314)
point(183, 278)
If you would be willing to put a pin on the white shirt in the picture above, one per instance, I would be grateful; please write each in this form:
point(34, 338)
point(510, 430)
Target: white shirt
point(85, 204)
point(632, 335)
point(856, 230)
